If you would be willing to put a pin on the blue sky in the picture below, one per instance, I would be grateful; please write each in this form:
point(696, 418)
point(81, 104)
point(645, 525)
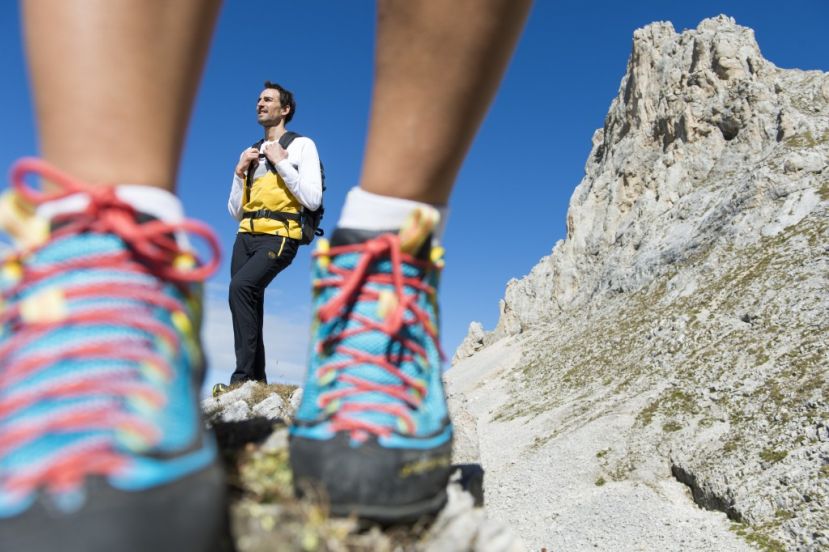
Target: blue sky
point(565, 72)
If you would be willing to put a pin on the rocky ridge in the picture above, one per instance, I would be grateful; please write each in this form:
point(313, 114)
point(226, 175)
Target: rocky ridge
point(687, 304)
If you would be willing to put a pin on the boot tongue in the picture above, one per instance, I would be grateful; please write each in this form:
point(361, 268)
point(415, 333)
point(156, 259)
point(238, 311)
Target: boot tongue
point(351, 236)
point(415, 234)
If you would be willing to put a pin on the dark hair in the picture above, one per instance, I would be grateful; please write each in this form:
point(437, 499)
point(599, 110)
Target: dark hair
point(286, 98)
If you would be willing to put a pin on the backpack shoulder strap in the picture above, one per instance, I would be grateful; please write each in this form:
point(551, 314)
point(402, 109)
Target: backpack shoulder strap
point(249, 176)
point(288, 137)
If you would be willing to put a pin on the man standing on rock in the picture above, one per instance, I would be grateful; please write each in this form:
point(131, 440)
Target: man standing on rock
point(273, 181)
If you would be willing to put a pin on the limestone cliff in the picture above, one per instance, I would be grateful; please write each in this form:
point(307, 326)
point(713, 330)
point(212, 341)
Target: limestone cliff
point(691, 288)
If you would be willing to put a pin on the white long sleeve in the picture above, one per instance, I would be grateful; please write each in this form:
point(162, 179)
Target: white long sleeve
point(234, 202)
point(300, 171)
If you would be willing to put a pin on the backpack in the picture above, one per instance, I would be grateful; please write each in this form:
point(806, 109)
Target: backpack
point(308, 220)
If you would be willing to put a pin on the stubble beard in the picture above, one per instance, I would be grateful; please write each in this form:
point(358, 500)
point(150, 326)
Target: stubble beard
point(268, 122)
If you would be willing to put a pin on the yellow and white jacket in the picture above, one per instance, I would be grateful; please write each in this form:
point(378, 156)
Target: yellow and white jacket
point(296, 183)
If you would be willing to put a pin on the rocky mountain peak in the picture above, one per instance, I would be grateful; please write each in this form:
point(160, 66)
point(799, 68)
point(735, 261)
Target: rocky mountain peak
point(705, 141)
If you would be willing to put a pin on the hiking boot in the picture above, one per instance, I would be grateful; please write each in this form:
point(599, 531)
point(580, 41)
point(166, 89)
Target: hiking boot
point(220, 389)
point(372, 432)
point(101, 441)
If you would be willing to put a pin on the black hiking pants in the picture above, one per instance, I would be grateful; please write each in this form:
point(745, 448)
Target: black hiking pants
point(256, 260)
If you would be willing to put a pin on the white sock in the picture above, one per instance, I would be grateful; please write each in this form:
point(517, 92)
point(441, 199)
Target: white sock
point(156, 202)
point(150, 200)
point(367, 211)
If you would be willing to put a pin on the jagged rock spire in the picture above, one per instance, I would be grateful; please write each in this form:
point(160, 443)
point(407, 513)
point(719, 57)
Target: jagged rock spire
point(701, 131)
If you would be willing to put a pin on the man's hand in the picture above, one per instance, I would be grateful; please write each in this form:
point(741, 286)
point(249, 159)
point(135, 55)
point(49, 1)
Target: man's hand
point(249, 155)
point(275, 152)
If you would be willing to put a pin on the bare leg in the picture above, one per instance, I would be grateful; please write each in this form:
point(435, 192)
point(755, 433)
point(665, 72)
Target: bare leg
point(114, 81)
point(438, 65)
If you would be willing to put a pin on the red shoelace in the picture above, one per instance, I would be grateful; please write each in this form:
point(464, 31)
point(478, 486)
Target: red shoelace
point(361, 284)
point(150, 250)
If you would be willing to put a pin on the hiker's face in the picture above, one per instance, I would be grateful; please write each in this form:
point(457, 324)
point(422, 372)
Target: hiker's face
point(269, 110)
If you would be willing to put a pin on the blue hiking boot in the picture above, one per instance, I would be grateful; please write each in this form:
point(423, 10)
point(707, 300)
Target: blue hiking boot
point(372, 432)
point(101, 442)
